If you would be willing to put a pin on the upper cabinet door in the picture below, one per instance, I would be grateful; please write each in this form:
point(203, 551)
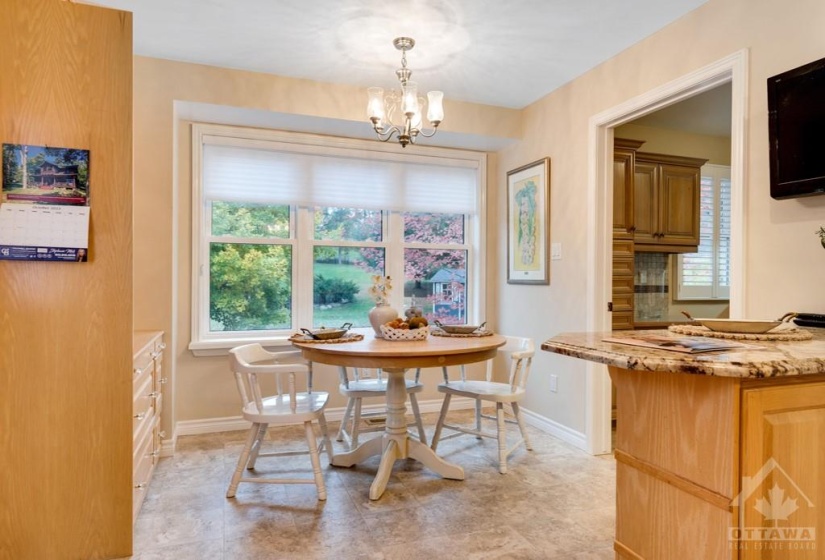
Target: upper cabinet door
point(624, 164)
point(679, 205)
point(667, 203)
point(646, 203)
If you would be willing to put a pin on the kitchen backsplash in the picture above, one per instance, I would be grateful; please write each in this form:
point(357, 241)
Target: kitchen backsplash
point(652, 300)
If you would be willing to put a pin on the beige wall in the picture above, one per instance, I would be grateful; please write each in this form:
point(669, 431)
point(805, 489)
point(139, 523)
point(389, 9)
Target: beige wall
point(785, 263)
point(715, 149)
point(203, 388)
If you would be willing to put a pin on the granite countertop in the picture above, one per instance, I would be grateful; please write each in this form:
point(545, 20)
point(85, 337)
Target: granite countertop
point(771, 359)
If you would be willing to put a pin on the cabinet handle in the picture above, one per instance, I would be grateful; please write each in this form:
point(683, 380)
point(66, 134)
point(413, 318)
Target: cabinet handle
point(164, 380)
point(153, 454)
point(632, 229)
point(139, 416)
point(136, 371)
point(154, 394)
point(162, 434)
point(162, 346)
point(140, 486)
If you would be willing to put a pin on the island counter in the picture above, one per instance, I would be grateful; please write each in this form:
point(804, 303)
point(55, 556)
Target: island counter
point(719, 455)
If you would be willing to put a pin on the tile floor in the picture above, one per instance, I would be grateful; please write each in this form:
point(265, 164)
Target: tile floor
point(556, 502)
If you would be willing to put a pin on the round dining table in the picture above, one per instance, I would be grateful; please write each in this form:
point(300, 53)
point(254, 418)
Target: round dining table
point(394, 357)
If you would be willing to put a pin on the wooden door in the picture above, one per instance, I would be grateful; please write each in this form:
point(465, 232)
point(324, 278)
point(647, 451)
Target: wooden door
point(783, 457)
point(679, 205)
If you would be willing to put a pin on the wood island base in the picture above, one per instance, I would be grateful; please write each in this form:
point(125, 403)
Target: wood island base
point(719, 467)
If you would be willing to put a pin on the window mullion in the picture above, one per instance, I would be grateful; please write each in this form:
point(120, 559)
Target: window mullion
point(394, 256)
point(304, 252)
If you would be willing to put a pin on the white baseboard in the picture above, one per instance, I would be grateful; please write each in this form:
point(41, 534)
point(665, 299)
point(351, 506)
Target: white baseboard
point(234, 423)
point(548, 426)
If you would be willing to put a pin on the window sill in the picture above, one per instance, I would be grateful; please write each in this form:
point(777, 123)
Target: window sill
point(202, 349)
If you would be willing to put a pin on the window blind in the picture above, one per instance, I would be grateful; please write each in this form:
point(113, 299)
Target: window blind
point(706, 273)
point(340, 178)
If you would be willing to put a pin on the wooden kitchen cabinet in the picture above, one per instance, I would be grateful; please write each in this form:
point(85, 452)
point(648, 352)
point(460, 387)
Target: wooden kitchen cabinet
point(624, 164)
point(666, 193)
point(692, 449)
point(623, 284)
point(148, 383)
point(782, 429)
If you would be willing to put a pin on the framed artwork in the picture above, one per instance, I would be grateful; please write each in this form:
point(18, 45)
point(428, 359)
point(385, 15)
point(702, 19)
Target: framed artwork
point(528, 223)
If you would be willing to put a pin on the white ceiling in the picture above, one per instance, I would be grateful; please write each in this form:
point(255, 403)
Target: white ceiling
point(507, 53)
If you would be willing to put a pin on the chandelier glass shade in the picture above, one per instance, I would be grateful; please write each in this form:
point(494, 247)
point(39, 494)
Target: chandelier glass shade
point(398, 113)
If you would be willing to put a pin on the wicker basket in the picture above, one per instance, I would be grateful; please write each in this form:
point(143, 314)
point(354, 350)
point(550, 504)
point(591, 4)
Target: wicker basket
point(389, 333)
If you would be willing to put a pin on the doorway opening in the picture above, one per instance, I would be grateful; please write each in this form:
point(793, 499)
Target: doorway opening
point(732, 70)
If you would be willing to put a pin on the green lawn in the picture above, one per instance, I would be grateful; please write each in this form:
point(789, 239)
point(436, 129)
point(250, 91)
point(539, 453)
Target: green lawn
point(354, 312)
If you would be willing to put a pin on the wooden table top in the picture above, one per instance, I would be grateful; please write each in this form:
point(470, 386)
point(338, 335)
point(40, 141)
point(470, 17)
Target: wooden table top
point(434, 351)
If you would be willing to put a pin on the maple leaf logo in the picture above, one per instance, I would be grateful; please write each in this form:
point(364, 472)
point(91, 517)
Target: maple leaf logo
point(776, 507)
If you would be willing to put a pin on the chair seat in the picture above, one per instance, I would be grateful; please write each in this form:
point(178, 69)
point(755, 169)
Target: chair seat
point(484, 390)
point(308, 407)
point(374, 387)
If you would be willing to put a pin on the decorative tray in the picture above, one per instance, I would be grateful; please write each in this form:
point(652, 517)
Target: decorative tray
point(348, 337)
point(788, 334)
point(476, 334)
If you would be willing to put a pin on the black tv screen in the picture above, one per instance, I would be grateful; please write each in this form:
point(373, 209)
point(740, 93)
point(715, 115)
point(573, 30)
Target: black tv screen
point(796, 126)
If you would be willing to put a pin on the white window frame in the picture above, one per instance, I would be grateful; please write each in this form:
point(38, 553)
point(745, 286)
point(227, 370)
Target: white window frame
point(714, 292)
point(204, 342)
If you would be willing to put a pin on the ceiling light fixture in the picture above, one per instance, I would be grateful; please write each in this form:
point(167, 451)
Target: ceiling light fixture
point(381, 110)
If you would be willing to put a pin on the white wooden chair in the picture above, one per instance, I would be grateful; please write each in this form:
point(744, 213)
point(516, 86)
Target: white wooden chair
point(362, 387)
point(286, 406)
point(521, 351)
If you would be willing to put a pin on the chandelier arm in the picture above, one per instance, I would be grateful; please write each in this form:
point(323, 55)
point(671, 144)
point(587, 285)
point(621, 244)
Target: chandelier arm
point(387, 133)
point(431, 134)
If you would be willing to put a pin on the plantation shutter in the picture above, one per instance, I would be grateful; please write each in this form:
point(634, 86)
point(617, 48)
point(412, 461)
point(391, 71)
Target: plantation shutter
point(706, 273)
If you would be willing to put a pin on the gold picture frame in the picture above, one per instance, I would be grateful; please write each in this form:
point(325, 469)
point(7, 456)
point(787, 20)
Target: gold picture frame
point(528, 223)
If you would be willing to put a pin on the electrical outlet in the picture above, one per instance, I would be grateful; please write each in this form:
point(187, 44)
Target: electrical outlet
point(554, 383)
point(555, 251)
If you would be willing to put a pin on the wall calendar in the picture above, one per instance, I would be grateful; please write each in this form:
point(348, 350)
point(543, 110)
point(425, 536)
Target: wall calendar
point(44, 209)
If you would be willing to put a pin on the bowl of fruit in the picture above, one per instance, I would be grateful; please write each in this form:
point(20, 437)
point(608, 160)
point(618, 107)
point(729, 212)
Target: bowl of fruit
point(414, 328)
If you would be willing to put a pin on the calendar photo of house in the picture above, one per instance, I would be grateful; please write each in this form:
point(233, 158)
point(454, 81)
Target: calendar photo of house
point(45, 175)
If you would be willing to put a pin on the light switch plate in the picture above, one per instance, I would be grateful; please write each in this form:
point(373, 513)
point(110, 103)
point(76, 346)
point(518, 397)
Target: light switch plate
point(555, 251)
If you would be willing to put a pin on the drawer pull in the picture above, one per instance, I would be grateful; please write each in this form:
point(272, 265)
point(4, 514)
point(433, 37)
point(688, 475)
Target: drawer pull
point(139, 416)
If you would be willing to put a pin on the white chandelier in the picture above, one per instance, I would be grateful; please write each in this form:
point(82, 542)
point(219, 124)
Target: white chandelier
point(381, 110)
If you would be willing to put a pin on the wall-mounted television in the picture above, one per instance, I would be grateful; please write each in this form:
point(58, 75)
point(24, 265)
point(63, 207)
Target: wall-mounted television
point(796, 126)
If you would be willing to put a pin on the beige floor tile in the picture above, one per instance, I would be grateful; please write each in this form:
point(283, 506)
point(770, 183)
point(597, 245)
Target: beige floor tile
point(556, 502)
